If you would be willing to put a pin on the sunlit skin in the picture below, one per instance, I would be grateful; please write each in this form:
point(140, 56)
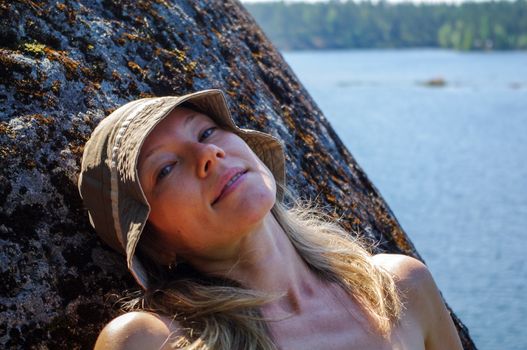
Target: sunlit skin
point(180, 166)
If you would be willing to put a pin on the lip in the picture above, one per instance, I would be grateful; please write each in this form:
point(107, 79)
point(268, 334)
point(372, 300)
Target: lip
point(222, 188)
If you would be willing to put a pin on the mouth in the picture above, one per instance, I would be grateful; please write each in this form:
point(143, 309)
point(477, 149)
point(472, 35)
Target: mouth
point(229, 182)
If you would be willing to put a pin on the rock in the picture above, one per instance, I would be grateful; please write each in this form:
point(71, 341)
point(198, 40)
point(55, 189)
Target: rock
point(64, 66)
point(434, 82)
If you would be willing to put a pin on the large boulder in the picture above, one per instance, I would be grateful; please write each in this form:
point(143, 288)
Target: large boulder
point(64, 65)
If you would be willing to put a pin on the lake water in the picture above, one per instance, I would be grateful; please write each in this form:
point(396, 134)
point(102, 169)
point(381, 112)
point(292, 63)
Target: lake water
point(451, 161)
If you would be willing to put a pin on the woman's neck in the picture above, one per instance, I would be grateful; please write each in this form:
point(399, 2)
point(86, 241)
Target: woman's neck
point(267, 261)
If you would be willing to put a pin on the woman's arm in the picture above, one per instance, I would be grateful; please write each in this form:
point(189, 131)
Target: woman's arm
point(422, 300)
point(136, 330)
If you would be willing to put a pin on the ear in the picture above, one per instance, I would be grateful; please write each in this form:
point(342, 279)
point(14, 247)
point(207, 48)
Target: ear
point(153, 247)
point(159, 255)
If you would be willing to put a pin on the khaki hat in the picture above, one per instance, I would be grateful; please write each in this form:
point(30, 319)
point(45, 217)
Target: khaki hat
point(109, 182)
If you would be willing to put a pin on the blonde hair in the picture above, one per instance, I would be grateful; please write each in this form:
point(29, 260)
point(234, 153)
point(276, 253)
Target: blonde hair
point(221, 314)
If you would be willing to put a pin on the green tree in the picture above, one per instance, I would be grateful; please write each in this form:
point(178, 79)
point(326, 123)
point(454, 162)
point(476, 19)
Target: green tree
point(347, 24)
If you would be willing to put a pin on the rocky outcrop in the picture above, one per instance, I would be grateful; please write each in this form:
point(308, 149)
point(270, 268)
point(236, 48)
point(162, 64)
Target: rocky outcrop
point(64, 65)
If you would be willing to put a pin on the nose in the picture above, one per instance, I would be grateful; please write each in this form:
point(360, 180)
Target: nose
point(207, 157)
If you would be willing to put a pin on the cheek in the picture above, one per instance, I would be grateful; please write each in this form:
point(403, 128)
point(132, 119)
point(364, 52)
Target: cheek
point(267, 177)
point(174, 229)
point(169, 211)
point(270, 182)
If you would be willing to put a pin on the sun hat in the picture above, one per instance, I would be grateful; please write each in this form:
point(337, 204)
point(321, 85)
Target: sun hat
point(109, 181)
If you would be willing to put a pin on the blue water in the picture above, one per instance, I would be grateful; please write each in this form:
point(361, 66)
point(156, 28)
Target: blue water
point(450, 161)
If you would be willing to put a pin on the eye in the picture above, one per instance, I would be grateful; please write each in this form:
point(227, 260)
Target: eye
point(164, 171)
point(207, 133)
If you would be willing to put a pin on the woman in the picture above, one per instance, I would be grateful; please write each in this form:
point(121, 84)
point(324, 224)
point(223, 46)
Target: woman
point(195, 204)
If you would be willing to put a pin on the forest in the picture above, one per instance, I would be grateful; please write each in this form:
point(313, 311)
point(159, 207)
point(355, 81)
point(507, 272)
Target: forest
point(335, 24)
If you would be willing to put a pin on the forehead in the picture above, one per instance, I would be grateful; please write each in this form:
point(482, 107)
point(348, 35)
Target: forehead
point(178, 119)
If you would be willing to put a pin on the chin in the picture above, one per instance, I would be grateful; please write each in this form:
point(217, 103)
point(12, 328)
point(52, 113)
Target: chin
point(256, 205)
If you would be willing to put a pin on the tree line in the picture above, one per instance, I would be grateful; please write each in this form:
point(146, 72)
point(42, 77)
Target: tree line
point(336, 24)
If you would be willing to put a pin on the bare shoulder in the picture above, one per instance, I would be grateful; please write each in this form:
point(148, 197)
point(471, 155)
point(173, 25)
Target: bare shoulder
point(414, 281)
point(411, 275)
point(421, 299)
point(137, 330)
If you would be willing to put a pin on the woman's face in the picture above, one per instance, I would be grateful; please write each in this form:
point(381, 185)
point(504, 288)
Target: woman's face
point(205, 186)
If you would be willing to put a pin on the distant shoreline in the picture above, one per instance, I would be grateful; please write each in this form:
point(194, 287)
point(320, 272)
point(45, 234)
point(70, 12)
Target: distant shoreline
point(387, 49)
point(467, 26)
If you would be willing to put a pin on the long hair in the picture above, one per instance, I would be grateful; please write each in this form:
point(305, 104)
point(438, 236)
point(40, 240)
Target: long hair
point(218, 313)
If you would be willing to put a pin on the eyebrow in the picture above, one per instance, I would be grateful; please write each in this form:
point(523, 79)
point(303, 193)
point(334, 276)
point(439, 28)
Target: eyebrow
point(187, 120)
